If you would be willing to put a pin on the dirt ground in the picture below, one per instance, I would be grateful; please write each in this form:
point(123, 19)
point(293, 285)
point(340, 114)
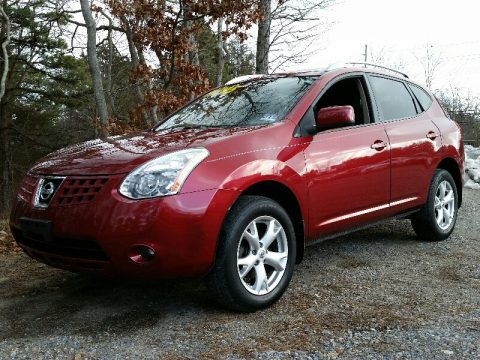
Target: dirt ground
point(377, 293)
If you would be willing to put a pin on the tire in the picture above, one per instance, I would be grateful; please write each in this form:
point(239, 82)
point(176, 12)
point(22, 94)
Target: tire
point(257, 234)
point(436, 219)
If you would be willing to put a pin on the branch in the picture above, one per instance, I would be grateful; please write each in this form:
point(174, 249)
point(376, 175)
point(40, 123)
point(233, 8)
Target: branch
point(44, 72)
point(54, 96)
point(73, 36)
point(98, 28)
point(31, 139)
point(296, 58)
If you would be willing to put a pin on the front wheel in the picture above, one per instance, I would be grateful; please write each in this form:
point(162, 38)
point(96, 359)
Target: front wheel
point(437, 218)
point(255, 255)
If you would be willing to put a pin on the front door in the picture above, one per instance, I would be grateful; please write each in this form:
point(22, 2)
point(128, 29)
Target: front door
point(348, 169)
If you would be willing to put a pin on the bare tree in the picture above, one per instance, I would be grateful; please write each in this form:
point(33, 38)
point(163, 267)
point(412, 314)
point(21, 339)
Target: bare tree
point(288, 32)
point(457, 100)
point(93, 65)
point(385, 57)
point(430, 61)
point(5, 37)
point(464, 108)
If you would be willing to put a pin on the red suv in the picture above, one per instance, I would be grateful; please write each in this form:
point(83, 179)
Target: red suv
point(235, 184)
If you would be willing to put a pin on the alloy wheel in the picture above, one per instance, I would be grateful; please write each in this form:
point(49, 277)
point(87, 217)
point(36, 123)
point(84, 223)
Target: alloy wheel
point(262, 255)
point(444, 205)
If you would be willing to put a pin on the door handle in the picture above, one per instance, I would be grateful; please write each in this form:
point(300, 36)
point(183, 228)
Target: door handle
point(432, 135)
point(378, 145)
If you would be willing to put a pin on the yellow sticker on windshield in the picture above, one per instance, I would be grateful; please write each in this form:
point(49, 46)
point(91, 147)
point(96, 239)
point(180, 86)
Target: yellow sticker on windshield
point(224, 90)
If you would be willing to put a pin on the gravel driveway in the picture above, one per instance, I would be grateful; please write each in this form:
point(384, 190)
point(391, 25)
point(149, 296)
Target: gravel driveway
point(378, 293)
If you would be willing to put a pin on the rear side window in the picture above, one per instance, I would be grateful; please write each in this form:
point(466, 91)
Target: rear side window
point(393, 98)
point(423, 98)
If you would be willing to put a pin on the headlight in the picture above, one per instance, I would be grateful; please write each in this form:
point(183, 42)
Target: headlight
point(162, 176)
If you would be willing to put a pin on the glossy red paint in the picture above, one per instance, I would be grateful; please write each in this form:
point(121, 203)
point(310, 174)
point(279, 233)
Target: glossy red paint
point(335, 116)
point(178, 228)
point(341, 178)
point(347, 187)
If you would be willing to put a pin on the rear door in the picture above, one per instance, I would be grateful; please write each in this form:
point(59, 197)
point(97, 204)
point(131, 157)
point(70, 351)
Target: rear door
point(348, 169)
point(414, 139)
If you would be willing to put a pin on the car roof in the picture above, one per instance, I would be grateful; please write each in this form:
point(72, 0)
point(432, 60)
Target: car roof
point(363, 66)
point(336, 68)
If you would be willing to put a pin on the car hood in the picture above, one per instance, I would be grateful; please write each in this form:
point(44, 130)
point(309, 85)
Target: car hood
point(121, 154)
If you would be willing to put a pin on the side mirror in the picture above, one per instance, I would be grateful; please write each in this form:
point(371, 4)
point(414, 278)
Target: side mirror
point(335, 116)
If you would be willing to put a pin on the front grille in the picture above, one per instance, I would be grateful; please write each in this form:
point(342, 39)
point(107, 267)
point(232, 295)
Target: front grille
point(79, 190)
point(61, 246)
point(27, 187)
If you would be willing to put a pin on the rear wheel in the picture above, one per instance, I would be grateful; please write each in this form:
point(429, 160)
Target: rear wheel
point(437, 218)
point(255, 256)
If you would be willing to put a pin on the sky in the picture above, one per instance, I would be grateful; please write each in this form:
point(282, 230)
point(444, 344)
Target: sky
point(402, 29)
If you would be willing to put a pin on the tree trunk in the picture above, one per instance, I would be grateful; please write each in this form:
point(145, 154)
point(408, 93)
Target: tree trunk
point(153, 119)
point(135, 62)
point(5, 183)
point(4, 124)
point(192, 55)
point(94, 67)
point(6, 186)
point(133, 56)
point(220, 54)
point(5, 37)
point(109, 83)
point(263, 37)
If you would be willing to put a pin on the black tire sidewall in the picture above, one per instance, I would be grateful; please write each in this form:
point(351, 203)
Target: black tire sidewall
point(233, 231)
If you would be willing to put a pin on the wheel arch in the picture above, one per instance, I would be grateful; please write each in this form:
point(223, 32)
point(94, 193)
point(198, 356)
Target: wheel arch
point(450, 165)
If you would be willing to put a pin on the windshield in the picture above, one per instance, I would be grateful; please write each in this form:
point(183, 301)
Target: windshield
point(256, 102)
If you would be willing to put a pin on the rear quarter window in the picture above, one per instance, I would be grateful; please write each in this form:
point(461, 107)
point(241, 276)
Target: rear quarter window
point(393, 98)
point(422, 96)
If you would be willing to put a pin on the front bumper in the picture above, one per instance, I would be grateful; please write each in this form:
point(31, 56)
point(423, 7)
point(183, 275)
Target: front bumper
point(98, 235)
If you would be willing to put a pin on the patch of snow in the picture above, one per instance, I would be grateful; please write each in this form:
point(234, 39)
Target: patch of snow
point(472, 167)
point(470, 184)
point(243, 78)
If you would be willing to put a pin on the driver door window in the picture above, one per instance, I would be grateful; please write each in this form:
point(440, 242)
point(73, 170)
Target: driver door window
point(351, 92)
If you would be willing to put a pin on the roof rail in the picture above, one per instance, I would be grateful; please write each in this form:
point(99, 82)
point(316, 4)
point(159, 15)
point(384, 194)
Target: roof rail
point(335, 65)
point(378, 66)
point(299, 71)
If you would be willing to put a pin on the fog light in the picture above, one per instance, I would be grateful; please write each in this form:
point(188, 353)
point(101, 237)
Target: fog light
point(141, 254)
